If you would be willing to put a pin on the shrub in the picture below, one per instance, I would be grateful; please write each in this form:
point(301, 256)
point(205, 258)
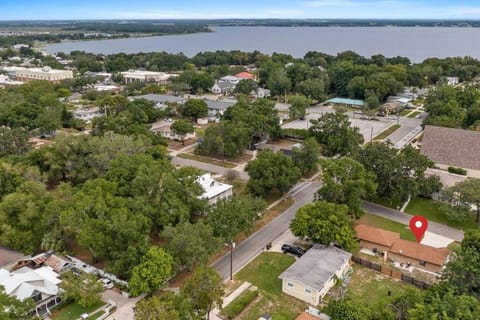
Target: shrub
point(455, 170)
point(239, 304)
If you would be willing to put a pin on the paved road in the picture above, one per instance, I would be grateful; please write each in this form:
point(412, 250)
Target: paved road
point(404, 218)
point(255, 244)
point(206, 166)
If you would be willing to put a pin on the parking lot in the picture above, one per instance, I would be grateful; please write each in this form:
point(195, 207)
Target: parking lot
point(368, 128)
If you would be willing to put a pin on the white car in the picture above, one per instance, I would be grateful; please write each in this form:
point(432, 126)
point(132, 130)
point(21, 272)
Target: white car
point(107, 283)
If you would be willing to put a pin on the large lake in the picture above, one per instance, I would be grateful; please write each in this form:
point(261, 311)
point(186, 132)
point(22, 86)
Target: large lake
point(416, 43)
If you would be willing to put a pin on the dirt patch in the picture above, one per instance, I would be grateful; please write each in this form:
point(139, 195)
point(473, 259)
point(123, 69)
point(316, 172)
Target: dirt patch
point(177, 145)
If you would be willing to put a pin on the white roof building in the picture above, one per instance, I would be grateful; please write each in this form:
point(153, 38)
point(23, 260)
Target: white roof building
point(45, 73)
point(214, 190)
point(145, 76)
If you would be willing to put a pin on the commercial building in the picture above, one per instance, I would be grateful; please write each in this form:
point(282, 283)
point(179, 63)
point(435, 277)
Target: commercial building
point(45, 73)
point(452, 147)
point(159, 78)
point(353, 103)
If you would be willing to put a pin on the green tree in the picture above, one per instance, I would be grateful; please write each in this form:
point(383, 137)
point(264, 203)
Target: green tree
point(246, 86)
point(194, 109)
point(13, 141)
point(298, 106)
point(445, 305)
point(345, 181)
point(271, 172)
point(460, 199)
point(334, 133)
point(152, 272)
point(326, 223)
point(166, 306)
point(83, 289)
point(181, 128)
point(229, 217)
point(346, 310)
point(308, 156)
point(462, 272)
point(14, 309)
point(203, 291)
point(279, 82)
point(191, 244)
point(402, 304)
point(312, 88)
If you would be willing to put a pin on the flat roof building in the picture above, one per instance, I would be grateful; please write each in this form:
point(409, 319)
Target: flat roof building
point(346, 102)
point(45, 73)
point(159, 78)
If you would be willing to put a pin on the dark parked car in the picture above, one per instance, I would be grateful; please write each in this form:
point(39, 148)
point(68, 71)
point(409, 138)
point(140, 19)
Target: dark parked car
point(297, 251)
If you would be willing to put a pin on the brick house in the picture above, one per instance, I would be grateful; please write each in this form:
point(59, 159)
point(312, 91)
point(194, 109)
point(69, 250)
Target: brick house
point(418, 255)
point(375, 239)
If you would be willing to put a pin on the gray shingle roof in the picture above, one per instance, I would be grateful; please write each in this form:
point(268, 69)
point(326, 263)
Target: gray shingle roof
point(162, 98)
point(453, 147)
point(317, 266)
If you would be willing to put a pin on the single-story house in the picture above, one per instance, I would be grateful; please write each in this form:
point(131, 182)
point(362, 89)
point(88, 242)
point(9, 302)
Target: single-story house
point(286, 150)
point(49, 259)
point(418, 255)
point(451, 81)
point(87, 114)
point(315, 273)
point(164, 128)
point(217, 107)
point(375, 239)
point(354, 103)
point(452, 147)
point(245, 75)
point(161, 100)
point(261, 93)
point(223, 87)
point(402, 251)
point(39, 284)
point(213, 189)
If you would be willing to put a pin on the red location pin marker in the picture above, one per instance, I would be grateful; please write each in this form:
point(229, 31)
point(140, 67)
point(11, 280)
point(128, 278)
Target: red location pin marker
point(418, 225)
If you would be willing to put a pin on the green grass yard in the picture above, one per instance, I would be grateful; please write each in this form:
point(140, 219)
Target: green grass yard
point(74, 311)
point(430, 209)
point(207, 160)
point(370, 287)
point(263, 273)
point(387, 132)
point(379, 222)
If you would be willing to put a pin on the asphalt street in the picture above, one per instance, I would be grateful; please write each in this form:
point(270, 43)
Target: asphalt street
point(256, 243)
point(404, 218)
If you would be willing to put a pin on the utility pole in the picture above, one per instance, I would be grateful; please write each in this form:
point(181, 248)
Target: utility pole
point(232, 245)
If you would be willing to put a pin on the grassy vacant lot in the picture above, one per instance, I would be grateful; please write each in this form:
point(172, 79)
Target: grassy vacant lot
point(263, 273)
point(387, 132)
point(379, 222)
point(74, 311)
point(207, 160)
point(430, 209)
point(370, 287)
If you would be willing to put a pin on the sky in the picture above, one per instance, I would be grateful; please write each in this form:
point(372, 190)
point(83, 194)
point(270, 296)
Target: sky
point(217, 9)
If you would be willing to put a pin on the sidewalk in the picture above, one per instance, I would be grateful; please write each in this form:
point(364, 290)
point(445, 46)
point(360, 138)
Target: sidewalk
point(227, 300)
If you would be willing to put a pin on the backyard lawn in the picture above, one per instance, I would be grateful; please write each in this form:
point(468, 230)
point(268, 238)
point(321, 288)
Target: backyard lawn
point(74, 311)
point(368, 286)
point(263, 273)
point(215, 162)
point(430, 210)
point(379, 222)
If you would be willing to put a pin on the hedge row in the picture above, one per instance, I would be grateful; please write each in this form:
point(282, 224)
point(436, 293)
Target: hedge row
point(240, 303)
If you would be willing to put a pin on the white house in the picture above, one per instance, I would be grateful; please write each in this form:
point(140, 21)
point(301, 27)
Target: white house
point(314, 274)
point(214, 190)
point(164, 128)
point(87, 114)
point(451, 81)
point(39, 284)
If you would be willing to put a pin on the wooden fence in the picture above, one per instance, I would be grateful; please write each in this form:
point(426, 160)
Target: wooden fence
point(391, 272)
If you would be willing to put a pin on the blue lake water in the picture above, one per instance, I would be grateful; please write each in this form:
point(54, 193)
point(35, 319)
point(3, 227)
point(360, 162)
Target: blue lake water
point(416, 43)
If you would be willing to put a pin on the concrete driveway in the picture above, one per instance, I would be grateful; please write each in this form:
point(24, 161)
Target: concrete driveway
point(124, 305)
